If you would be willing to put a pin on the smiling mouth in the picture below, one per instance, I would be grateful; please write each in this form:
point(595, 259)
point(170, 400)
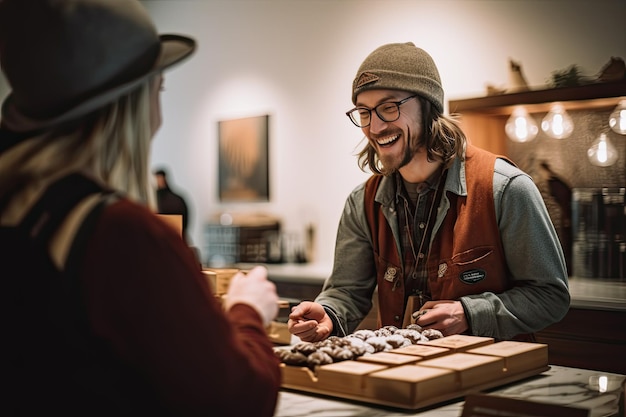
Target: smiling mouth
point(387, 141)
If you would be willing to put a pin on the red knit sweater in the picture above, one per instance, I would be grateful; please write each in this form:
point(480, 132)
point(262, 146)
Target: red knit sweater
point(146, 297)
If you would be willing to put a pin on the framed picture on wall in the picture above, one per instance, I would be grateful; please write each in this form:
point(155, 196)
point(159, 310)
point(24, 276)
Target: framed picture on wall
point(243, 159)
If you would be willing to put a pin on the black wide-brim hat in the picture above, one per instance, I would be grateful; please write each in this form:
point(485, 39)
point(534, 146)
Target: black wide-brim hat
point(67, 58)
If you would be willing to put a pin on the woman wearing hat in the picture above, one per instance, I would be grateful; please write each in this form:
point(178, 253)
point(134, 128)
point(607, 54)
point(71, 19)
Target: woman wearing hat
point(109, 313)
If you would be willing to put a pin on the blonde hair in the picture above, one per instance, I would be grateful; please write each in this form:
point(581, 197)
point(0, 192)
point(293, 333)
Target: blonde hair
point(112, 145)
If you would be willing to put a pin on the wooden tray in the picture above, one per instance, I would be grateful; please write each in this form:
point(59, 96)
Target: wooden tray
point(422, 381)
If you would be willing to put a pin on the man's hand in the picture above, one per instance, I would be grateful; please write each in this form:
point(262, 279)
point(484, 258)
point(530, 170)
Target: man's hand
point(447, 316)
point(309, 321)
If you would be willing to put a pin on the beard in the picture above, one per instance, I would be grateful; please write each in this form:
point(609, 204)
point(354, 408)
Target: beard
point(392, 163)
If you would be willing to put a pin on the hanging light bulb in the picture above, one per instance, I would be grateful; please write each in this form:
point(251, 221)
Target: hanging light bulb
point(557, 123)
point(602, 153)
point(521, 126)
point(617, 119)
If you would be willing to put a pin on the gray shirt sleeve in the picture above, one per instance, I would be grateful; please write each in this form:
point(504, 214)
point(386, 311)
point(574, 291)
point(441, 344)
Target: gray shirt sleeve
point(347, 293)
point(534, 257)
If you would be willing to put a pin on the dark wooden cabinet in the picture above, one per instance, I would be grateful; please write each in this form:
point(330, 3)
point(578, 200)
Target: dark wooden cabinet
point(590, 339)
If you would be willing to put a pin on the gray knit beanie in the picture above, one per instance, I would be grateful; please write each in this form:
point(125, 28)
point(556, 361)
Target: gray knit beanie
point(400, 66)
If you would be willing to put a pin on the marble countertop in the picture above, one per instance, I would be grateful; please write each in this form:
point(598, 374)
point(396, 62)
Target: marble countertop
point(601, 393)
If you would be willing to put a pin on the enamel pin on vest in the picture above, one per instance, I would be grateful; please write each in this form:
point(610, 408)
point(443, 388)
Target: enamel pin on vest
point(390, 274)
point(441, 271)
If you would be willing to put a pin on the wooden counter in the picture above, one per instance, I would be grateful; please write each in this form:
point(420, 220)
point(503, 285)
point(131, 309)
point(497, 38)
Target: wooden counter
point(591, 336)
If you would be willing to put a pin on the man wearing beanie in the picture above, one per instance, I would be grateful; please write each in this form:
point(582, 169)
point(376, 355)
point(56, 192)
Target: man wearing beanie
point(454, 238)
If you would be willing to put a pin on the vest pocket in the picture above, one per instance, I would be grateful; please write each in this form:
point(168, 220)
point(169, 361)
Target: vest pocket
point(387, 271)
point(390, 292)
point(472, 255)
point(469, 272)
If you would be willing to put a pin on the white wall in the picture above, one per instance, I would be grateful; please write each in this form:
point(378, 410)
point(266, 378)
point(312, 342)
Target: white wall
point(295, 60)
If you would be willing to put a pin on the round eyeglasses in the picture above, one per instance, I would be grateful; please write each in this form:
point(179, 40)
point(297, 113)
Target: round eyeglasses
point(387, 112)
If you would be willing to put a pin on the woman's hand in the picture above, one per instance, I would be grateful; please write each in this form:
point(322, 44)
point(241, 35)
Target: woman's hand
point(255, 290)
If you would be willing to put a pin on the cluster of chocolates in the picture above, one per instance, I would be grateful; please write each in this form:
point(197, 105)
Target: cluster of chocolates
point(359, 343)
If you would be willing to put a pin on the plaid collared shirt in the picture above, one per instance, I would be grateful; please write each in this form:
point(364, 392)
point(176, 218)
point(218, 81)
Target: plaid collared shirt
point(414, 210)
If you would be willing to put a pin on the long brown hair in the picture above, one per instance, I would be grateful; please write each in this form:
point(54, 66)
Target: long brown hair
point(443, 141)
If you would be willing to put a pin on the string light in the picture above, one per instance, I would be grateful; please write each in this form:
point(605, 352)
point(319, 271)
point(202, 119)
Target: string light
point(602, 153)
point(557, 123)
point(617, 119)
point(521, 126)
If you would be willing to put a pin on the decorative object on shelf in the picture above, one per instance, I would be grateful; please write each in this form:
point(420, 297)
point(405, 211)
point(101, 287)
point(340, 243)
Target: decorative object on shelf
point(614, 70)
point(521, 126)
point(517, 81)
point(568, 77)
point(602, 152)
point(493, 90)
point(617, 119)
point(557, 123)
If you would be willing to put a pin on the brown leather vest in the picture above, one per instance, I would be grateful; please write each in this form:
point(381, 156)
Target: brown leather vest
point(466, 255)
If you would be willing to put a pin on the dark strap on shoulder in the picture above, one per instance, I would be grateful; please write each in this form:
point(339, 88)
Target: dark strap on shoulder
point(47, 214)
point(77, 249)
point(73, 264)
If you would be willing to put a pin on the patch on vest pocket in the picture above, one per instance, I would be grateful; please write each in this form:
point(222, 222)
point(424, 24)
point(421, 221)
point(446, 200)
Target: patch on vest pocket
point(472, 276)
point(390, 274)
point(443, 267)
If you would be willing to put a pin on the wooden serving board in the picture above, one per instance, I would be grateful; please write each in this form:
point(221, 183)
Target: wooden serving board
point(401, 378)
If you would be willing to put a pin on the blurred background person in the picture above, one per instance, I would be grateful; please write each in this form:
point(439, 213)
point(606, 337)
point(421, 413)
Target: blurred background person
point(169, 201)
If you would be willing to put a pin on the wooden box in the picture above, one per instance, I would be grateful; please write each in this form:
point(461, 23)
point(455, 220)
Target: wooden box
point(219, 279)
point(278, 333)
point(460, 342)
point(421, 350)
point(298, 376)
point(211, 278)
point(471, 369)
point(175, 221)
point(518, 356)
point(389, 359)
point(410, 384)
point(347, 377)
point(433, 375)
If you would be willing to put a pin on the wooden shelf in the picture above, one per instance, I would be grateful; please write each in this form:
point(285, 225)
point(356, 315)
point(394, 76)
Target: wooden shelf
point(591, 96)
point(483, 118)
